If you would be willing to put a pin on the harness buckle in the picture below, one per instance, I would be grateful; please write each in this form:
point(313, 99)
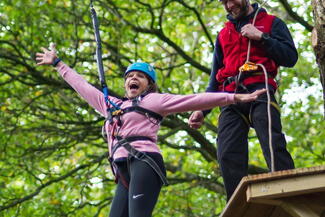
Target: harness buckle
point(122, 141)
point(139, 155)
point(117, 112)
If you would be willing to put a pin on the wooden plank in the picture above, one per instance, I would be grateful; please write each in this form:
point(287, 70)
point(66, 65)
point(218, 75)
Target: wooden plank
point(235, 206)
point(260, 210)
point(279, 212)
point(271, 202)
point(237, 203)
point(286, 187)
point(298, 208)
point(313, 204)
point(270, 191)
point(284, 174)
point(316, 202)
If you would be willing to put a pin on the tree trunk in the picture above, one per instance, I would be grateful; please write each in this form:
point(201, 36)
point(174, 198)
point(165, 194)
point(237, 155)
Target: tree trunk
point(318, 39)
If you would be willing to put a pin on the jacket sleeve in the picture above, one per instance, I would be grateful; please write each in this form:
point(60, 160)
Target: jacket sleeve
point(280, 46)
point(217, 63)
point(91, 94)
point(183, 103)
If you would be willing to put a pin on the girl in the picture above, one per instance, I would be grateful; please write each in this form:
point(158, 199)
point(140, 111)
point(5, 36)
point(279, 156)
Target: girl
point(131, 129)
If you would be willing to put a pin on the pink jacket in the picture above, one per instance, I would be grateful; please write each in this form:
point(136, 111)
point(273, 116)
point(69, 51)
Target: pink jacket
point(134, 124)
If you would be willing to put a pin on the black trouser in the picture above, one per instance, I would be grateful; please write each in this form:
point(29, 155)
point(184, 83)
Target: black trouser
point(233, 135)
point(141, 195)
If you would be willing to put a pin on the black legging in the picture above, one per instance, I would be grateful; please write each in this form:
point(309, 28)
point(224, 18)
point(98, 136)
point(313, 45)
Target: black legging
point(139, 199)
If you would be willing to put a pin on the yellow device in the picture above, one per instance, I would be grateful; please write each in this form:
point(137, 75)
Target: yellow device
point(248, 66)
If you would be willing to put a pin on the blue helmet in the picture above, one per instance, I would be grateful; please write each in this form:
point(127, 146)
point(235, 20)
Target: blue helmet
point(142, 67)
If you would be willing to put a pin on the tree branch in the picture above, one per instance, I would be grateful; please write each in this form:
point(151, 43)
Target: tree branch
point(295, 16)
point(159, 33)
point(40, 188)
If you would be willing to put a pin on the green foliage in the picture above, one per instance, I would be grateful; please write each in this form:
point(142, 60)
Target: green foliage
point(53, 161)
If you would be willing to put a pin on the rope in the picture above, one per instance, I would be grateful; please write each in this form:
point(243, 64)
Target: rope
point(269, 116)
point(267, 92)
point(249, 41)
point(253, 23)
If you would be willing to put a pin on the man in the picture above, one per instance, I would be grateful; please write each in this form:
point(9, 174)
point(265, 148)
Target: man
point(271, 46)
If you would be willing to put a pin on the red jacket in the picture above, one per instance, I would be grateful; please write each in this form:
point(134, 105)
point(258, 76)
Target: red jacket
point(234, 47)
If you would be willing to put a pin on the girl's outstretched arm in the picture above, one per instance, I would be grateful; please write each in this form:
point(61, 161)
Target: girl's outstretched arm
point(47, 57)
point(183, 103)
point(92, 95)
point(196, 119)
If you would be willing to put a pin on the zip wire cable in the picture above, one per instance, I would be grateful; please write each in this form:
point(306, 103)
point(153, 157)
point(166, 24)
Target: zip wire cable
point(99, 57)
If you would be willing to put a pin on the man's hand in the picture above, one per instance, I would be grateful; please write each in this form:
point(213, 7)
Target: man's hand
point(47, 57)
point(248, 97)
point(196, 119)
point(251, 32)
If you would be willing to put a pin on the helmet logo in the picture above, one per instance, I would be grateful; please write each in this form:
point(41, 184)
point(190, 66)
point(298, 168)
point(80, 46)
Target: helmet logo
point(150, 68)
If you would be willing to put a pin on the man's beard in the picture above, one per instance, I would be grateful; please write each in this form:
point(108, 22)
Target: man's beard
point(243, 10)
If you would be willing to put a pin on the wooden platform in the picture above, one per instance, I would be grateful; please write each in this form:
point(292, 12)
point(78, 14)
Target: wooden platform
point(289, 193)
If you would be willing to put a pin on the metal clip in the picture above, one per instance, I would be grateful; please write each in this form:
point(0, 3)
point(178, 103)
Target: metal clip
point(117, 112)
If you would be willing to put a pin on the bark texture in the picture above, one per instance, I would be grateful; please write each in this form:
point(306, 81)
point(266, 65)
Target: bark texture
point(318, 39)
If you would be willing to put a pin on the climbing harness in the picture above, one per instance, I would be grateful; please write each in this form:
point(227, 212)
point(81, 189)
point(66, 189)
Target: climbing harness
point(251, 69)
point(142, 156)
point(114, 111)
point(238, 79)
point(153, 117)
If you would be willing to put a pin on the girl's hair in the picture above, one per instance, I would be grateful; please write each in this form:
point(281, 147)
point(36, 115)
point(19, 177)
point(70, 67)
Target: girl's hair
point(152, 87)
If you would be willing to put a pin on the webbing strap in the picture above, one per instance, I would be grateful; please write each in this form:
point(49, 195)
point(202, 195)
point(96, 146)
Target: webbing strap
point(145, 158)
point(274, 104)
point(121, 141)
point(149, 114)
point(125, 142)
point(144, 111)
point(246, 120)
point(243, 76)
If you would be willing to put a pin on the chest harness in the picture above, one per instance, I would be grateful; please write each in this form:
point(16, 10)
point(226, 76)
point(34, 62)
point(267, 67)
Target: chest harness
point(114, 119)
point(115, 112)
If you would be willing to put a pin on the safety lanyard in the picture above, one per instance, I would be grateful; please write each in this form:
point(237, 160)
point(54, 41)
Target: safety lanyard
point(99, 61)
